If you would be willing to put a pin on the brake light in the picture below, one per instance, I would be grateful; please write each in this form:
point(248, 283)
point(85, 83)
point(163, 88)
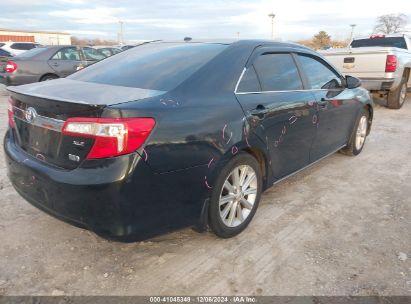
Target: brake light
point(377, 36)
point(10, 114)
point(11, 66)
point(391, 64)
point(113, 137)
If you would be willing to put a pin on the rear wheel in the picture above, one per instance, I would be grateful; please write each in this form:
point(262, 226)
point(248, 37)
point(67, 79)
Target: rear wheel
point(359, 135)
point(396, 98)
point(235, 197)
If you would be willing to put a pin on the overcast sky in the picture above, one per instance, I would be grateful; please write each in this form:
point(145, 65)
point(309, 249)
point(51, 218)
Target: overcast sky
point(175, 19)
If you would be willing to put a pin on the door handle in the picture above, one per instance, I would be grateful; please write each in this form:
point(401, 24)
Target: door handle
point(55, 64)
point(260, 111)
point(323, 104)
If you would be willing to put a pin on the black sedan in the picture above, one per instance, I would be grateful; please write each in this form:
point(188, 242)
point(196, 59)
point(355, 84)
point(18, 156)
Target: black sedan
point(46, 63)
point(170, 135)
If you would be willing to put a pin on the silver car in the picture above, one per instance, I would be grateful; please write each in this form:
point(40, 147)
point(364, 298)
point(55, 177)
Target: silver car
point(46, 63)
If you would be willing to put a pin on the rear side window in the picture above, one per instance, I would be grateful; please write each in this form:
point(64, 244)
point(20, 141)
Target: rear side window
point(398, 42)
point(32, 52)
point(22, 46)
point(70, 53)
point(318, 74)
point(278, 72)
point(249, 82)
point(154, 66)
point(106, 52)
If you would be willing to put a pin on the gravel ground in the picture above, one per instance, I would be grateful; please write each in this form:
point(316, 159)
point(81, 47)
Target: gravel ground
point(341, 227)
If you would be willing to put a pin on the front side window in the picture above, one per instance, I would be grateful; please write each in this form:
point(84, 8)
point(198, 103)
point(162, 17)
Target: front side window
point(92, 54)
point(319, 75)
point(70, 53)
point(156, 66)
point(278, 72)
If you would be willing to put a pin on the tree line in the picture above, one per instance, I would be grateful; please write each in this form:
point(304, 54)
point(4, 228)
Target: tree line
point(385, 24)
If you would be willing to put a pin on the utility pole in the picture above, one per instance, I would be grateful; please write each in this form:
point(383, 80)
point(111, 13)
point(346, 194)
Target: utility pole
point(352, 31)
point(121, 34)
point(272, 16)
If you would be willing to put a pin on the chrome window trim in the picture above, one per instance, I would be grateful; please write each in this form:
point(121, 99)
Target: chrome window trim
point(239, 80)
point(284, 91)
point(266, 92)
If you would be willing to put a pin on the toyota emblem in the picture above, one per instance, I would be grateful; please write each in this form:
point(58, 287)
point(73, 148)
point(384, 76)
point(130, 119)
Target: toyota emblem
point(30, 114)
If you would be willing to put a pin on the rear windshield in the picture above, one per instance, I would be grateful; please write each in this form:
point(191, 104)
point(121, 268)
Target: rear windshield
point(22, 46)
point(398, 42)
point(157, 66)
point(31, 53)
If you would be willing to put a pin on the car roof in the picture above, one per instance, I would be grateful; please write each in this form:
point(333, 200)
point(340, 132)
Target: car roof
point(248, 42)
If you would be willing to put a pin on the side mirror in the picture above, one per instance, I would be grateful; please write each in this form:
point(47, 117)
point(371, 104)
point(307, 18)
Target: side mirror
point(352, 82)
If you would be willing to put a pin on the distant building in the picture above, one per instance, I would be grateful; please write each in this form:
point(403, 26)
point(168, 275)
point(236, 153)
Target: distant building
point(44, 38)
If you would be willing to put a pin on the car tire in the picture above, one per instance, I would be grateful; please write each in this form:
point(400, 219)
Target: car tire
point(396, 98)
point(358, 136)
point(235, 198)
point(48, 77)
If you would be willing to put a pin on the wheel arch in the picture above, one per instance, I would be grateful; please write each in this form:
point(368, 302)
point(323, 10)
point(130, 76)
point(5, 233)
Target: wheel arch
point(370, 110)
point(261, 158)
point(48, 74)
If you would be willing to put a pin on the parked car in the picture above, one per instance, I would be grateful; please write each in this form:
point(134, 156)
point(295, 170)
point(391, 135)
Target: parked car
point(108, 50)
point(16, 48)
point(46, 63)
point(169, 135)
point(382, 62)
point(127, 47)
point(4, 58)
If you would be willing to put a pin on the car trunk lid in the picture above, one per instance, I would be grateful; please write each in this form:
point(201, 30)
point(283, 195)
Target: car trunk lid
point(40, 111)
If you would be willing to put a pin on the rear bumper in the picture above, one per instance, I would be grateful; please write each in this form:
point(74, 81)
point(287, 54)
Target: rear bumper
point(11, 79)
point(377, 84)
point(119, 198)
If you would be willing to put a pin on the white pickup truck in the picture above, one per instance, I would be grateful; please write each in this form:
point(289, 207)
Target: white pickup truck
point(382, 62)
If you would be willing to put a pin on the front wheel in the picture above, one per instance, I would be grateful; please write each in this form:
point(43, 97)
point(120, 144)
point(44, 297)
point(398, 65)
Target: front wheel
point(235, 197)
point(359, 135)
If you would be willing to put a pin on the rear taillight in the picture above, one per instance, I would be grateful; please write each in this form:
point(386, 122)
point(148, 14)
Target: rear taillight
point(113, 137)
point(11, 66)
point(10, 114)
point(391, 64)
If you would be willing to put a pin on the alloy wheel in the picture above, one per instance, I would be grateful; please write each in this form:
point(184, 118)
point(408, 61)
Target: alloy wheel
point(238, 195)
point(361, 133)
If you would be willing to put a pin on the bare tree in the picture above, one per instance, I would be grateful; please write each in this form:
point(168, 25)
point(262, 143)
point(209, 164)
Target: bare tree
point(389, 24)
